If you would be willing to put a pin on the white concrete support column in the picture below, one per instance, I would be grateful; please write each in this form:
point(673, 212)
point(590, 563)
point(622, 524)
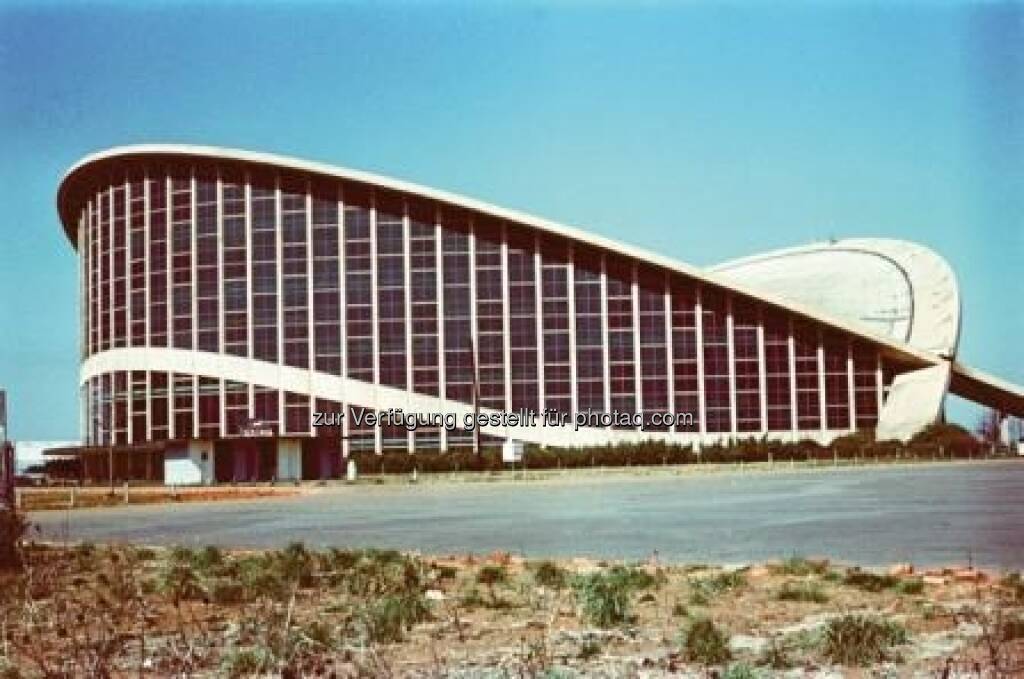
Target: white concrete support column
point(110, 279)
point(732, 367)
point(88, 288)
point(279, 270)
point(851, 391)
point(879, 382)
point(128, 274)
point(605, 367)
point(148, 386)
point(701, 394)
point(791, 345)
point(570, 275)
point(83, 323)
point(310, 327)
point(634, 289)
point(147, 240)
point(194, 323)
point(129, 402)
point(822, 399)
point(442, 385)
point(506, 318)
point(378, 441)
point(168, 270)
point(670, 369)
point(407, 300)
point(222, 426)
point(473, 330)
point(342, 397)
point(249, 277)
point(171, 428)
point(538, 288)
point(762, 379)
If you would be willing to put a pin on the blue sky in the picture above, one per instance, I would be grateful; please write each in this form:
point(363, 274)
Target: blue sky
point(702, 131)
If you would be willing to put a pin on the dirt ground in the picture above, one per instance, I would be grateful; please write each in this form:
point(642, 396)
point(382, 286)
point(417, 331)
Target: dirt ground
point(134, 611)
point(33, 499)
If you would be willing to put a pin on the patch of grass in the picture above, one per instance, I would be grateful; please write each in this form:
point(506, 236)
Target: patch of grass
point(740, 671)
point(680, 610)
point(603, 598)
point(911, 586)
point(775, 655)
point(549, 574)
point(179, 582)
point(705, 643)
point(1013, 585)
point(246, 662)
point(800, 566)
point(471, 598)
point(809, 592)
point(703, 590)
point(445, 572)
point(387, 619)
point(870, 582)
point(225, 591)
point(589, 649)
point(859, 640)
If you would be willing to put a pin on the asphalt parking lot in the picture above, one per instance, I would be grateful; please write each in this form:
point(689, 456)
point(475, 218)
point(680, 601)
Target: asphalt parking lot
point(925, 514)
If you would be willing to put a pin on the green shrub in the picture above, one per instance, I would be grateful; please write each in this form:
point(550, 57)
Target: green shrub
point(225, 591)
point(799, 566)
point(951, 439)
point(246, 662)
point(603, 598)
point(775, 655)
point(912, 586)
point(1013, 587)
point(808, 592)
point(385, 620)
point(591, 648)
point(703, 590)
point(740, 671)
point(549, 574)
point(858, 640)
point(179, 582)
point(870, 582)
point(705, 643)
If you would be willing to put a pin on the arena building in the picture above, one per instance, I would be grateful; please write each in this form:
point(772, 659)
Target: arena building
point(228, 297)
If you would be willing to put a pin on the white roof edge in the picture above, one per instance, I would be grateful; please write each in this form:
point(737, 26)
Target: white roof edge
point(991, 380)
point(464, 202)
point(926, 271)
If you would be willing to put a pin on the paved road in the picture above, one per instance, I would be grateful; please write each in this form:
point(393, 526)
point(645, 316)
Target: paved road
point(931, 515)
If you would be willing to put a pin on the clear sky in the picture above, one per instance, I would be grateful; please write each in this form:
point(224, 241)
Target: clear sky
point(701, 131)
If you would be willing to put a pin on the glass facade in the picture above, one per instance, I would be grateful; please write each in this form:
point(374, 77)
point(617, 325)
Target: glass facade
point(347, 280)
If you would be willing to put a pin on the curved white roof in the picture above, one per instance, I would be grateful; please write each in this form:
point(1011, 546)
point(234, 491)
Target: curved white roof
point(892, 287)
point(934, 301)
